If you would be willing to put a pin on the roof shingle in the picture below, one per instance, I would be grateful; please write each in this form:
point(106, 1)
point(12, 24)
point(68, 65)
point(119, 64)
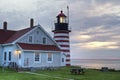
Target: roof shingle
point(5, 35)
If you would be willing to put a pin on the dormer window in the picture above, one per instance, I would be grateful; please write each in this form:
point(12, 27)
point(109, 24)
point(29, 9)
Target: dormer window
point(37, 32)
point(30, 39)
point(44, 40)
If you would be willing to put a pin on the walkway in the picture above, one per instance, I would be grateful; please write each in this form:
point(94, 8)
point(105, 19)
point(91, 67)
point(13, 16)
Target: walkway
point(47, 75)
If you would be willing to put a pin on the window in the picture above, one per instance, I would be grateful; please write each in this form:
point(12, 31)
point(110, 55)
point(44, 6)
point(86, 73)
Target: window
point(62, 59)
point(49, 57)
point(44, 40)
point(9, 58)
point(37, 32)
point(37, 57)
point(62, 19)
point(5, 56)
point(30, 38)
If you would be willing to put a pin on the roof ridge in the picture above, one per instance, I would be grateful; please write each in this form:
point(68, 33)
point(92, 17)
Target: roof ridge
point(8, 30)
point(25, 28)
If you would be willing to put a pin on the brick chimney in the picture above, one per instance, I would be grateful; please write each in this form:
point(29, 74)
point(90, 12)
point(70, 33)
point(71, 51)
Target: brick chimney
point(4, 25)
point(31, 22)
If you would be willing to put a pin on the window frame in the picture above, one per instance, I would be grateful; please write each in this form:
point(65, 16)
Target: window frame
point(44, 40)
point(5, 56)
point(51, 57)
point(63, 60)
point(37, 32)
point(38, 58)
point(9, 56)
point(30, 39)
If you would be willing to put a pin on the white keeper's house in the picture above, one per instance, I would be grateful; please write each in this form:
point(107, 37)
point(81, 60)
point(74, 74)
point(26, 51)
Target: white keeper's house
point(34, 47)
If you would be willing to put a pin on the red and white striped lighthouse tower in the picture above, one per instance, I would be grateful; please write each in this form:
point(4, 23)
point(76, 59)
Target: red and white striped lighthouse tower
point(61, 35)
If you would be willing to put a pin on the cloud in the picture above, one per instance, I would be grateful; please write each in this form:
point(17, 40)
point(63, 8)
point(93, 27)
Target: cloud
point(105, 8)
point(108, 8)
point(116, 2)
point(100, 33)
point(116, 37)
point(97, 38)
point(18, 12)
point(105, 20)
point(80, 38)
point(84, 37)
point(99, 45)
point(16, 5)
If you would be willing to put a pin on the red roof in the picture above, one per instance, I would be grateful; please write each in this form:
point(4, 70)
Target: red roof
point(18, 34)
point(61, 14)
point(8, 36)
point(27, 46)
point(5, 35)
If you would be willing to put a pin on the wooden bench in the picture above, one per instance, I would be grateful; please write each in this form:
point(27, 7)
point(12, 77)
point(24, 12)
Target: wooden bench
point(104, 69)
point(77, 71)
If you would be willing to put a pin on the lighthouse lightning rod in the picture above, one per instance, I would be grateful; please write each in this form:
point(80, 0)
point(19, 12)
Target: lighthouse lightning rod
point(68, 13)
point(68, 17)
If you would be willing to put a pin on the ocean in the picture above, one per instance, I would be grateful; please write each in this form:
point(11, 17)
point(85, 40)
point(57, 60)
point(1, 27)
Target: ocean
point(97, 63)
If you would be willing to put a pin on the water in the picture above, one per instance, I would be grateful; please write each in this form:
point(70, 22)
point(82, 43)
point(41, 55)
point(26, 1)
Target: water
point(97, 63)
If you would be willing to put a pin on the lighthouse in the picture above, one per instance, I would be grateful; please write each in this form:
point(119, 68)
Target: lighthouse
point(61, 36)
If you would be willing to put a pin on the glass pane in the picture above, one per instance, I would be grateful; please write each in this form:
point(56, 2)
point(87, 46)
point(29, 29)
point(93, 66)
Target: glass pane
point(62, 20)
point(9, 56)
point(49, 57)
point(30, 38)
point(44, 40)
point(36, 56)
point(5, 54)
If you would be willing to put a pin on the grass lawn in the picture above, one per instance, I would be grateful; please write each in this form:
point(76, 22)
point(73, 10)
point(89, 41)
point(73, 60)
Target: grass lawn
point(61, 74)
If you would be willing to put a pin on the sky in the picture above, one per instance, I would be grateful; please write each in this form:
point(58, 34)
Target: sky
point(95, 24)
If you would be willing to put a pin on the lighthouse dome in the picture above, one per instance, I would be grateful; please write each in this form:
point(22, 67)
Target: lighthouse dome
point(61, 14)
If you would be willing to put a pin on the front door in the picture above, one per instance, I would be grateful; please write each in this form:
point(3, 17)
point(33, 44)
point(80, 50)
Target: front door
point(19, 61)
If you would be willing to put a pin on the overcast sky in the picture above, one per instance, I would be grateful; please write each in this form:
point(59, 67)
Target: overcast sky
point(95, 23)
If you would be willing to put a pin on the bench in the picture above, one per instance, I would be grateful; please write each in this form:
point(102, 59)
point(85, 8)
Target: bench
point(104, 69)
point(77, 71)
